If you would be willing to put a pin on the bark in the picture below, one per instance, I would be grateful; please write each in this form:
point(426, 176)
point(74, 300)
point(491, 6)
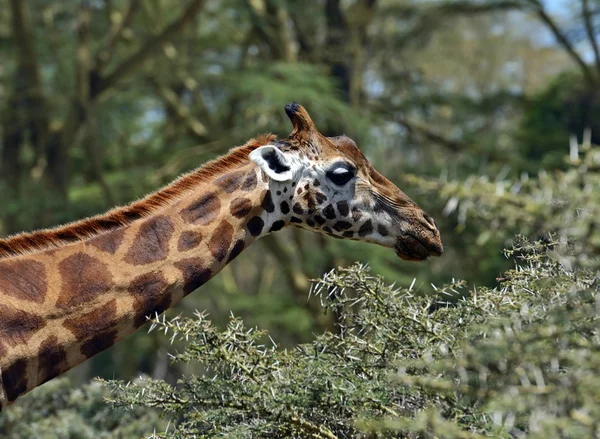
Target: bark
point(26, 118)
point(32, 98)
point(135, 61)
point(360, 17)
point(116, 33)
point(174, 106)
point(590, 32)
point(10, 165)
point(564, 42)
point(337, 36)
point(269, 21)
point(91, 85)
point(426, 133)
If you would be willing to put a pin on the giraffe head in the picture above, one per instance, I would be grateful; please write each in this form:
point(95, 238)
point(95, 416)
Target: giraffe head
point(327, 185)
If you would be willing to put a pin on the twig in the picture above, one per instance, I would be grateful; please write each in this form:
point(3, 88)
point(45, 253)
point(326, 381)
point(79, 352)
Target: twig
point(589, 28)
point(319, 430)
point(430, 135)
point(116, 34)
point(563, 41)
point(139, 57)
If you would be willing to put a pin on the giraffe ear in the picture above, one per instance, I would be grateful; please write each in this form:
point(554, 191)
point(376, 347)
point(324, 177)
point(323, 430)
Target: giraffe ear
point(273, 162)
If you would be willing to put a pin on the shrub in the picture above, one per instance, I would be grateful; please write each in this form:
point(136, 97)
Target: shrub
point(520, 359)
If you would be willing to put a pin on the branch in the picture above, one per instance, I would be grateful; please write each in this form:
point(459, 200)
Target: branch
point(589, 28)
point(318, 431)
point(413, 127)
point(294, 274)
point(468, 7)
point(563, 41)
point(137, 59)
point(28, 74)
point(269, 20)
point(196, 127)
point(83, 59)
point(116, 33)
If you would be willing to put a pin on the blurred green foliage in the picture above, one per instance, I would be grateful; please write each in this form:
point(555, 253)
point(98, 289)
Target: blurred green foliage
point(468, 106)
point(567, 107)
point(60, 411)
point(518, 360)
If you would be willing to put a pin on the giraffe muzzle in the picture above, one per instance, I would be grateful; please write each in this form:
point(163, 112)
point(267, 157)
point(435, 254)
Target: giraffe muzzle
point(419, 247)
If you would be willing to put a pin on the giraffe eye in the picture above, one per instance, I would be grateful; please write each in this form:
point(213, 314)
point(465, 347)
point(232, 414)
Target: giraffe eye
point(340, 175)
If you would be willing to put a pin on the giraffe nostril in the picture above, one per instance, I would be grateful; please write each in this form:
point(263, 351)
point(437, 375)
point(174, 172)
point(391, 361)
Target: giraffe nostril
point(430, 221)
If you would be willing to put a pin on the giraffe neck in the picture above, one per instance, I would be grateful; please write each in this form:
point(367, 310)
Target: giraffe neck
point(62, 306)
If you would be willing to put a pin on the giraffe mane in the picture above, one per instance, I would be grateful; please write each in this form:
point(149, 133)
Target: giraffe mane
point(87, 228)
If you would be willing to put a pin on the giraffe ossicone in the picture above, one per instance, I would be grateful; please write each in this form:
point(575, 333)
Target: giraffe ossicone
point(70, 292)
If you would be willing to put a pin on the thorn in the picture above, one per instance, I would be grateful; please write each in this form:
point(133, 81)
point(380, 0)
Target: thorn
point(573, 149)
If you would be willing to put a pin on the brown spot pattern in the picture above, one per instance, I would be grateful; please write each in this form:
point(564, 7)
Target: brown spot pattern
point(14, 379)
point(230, 182)
point(151, 297)
point(356, 214)
point(277, 225)
point(329, 212)
point(267, 202)
point(240, 207)
point(195, 274)
point(109, 242)
point(298, 209)
point(255, 225)
point(321, 197)
point(96, 330)
point(264, 176)
point(25, 280)
point(83, 279)
point(221, 240)
point(152, 241)
point(81, 230)
point(202, 211)
point(17, 327)
point(237, 248)
point(250, 182)
point(319, 219)
point(189, 240)
point(52, 359)
point(366, 228)
point(343, 208)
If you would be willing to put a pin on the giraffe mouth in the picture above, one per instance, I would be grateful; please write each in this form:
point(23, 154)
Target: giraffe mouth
point(413, 248)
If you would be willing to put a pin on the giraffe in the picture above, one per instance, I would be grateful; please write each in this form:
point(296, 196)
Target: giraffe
point(70, 292)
